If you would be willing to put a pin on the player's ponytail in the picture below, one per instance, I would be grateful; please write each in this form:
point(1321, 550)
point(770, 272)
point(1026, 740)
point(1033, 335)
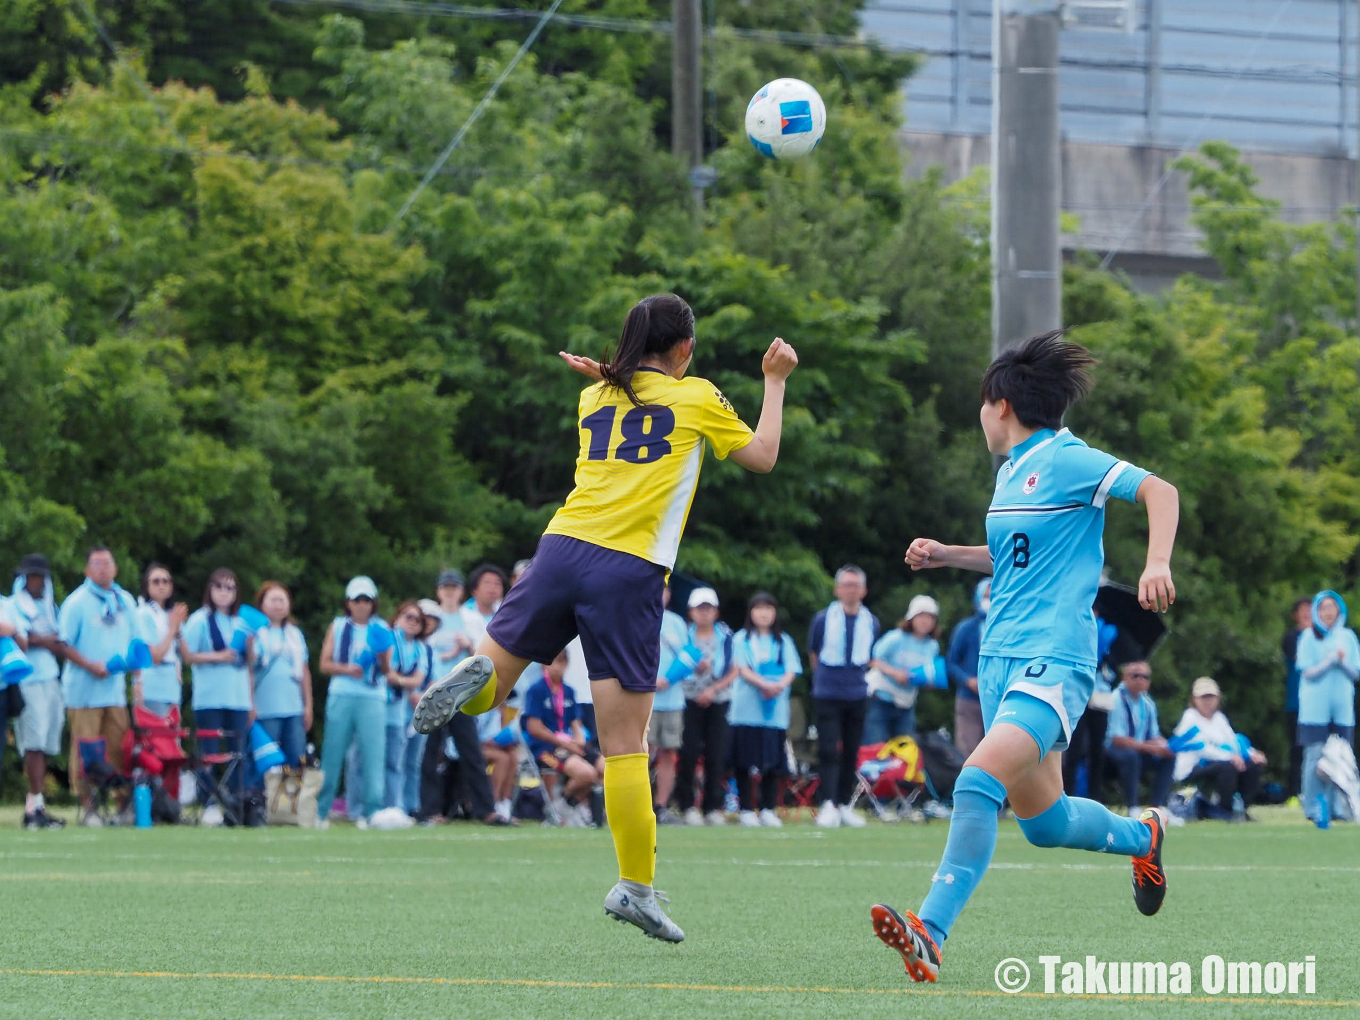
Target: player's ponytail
point(654, 325)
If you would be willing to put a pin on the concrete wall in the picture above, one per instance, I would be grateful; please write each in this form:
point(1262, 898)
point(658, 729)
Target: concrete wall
point(1105, 185)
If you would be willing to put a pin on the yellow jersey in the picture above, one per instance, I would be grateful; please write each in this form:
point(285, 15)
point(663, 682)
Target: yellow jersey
point(638, 467)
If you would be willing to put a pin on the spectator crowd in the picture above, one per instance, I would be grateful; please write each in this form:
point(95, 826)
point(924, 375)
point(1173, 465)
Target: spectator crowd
point(721, 725)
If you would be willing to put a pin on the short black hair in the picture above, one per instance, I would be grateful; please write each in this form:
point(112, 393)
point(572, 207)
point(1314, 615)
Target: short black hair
point(1041, 379)
point(97, 549)
point(474, 578)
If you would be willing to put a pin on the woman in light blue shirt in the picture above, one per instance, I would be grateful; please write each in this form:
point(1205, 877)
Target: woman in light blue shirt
point(891, 711)
point(1328, 659)
point(767, 663)
point(406, 672)
point(356, 655)
point(161, 686)
point(215, 643)
point(283, 678)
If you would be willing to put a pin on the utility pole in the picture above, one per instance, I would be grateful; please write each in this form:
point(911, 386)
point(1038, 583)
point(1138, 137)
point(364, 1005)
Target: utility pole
point(687, 87)
point(1026, 171)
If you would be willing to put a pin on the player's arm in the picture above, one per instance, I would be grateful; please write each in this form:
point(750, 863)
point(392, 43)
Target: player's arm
point(1156, 591)
point(926, 553)
point(760, 454)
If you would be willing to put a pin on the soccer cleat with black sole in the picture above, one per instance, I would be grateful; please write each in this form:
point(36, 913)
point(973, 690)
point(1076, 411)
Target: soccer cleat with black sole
point(1149, 876)
point(908, 935)
point(443, 698)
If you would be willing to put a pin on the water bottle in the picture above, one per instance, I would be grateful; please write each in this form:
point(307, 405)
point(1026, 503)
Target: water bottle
point(141, 803)
point(1239, 808)
point(1324, 812)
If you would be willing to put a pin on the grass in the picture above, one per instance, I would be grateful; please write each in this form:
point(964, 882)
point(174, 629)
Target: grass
point(468, 922)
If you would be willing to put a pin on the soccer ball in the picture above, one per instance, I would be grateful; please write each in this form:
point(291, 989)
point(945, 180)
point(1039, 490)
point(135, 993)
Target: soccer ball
point(785, 119)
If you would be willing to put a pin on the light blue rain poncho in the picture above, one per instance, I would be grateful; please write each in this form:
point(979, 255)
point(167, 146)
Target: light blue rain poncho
point(1327, 682)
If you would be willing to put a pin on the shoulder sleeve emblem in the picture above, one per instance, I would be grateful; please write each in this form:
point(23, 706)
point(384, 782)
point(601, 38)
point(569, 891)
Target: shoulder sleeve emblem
point(722, 399)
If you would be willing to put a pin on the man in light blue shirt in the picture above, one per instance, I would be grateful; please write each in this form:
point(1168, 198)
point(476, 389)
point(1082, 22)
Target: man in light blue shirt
point(97, 622)
point(1133, 739)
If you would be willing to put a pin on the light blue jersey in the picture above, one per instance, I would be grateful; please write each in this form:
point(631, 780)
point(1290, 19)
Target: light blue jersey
point(760, 653)
point(1045, 531)
point(674, 636)
point(278, 672)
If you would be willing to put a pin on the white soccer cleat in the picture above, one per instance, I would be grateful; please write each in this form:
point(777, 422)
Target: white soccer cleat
point(829, 817)
point(749, 820)
point(451, 692)
point(693, 816)
point(771, 820)
point(715, 818)
point(644, 913)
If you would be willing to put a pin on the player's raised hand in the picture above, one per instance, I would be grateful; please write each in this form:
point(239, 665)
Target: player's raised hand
point(780, 360)
point(1156, 591)
point(586, 366)
point(925, 553)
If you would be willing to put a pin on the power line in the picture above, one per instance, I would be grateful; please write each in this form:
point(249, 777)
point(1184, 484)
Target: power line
point(477, 111)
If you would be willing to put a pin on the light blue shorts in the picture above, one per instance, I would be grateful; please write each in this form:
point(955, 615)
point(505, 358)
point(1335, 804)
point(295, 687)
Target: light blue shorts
point(1047, 685)
point(39, 725)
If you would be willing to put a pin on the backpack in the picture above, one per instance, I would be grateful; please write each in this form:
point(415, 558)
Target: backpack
point(943, 763)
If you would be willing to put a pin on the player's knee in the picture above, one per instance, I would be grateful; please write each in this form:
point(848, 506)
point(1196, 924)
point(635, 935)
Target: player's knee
point(1050, 828)
point(978, 789)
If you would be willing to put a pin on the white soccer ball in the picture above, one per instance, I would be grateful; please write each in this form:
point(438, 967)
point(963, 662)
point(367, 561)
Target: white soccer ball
point(785, 119)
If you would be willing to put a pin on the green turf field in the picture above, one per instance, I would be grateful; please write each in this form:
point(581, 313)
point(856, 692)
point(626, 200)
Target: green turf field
point(468, 922)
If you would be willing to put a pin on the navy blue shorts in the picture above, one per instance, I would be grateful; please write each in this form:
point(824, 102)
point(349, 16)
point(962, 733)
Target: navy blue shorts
point(611, 599)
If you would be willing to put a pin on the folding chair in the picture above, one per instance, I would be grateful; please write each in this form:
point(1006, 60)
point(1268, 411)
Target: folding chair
point(216, 773)
point(101, 780)
point(535, 780)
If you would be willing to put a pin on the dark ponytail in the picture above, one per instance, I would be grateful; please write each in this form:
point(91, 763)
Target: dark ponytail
point(654, 325)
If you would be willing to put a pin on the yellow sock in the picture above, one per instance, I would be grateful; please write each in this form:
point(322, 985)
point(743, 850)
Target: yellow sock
point(632, 823)
point(484, 699)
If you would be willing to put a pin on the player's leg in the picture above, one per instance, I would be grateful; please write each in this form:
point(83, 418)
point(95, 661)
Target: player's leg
point(535, 621)
point(622, 719)
point(1050, 818)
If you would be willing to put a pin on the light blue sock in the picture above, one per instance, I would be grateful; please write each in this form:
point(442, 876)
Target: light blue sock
point(978, 797)
point(1081, 824)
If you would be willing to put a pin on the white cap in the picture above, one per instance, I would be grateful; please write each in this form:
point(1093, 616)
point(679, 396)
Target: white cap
point(361, 585)
point(703, 597)
point(1205, 685)
point(923, 604)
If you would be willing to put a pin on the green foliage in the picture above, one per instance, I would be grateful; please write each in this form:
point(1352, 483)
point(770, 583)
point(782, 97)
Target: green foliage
point(222, 346)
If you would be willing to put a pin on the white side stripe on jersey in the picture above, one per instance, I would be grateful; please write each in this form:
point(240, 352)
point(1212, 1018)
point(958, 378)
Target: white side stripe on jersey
point(1107, 483)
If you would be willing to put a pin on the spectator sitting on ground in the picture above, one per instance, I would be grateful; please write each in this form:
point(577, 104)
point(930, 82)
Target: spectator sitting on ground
point(891, 711)
point(1219, 761)
point(37, 731)
point(1134, 744)
point(283, 678)
point(557, 740)
point(964, 647)
point(96, 623)
point(160, 687)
